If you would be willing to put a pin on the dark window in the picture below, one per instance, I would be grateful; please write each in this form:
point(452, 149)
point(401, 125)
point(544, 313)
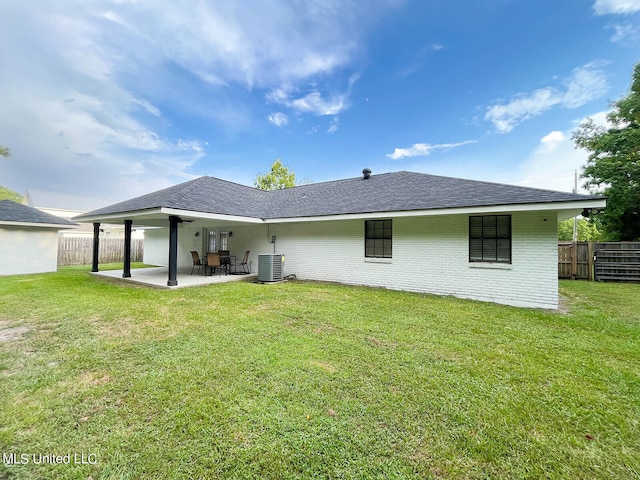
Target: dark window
point(377, 238)
point(490, 238)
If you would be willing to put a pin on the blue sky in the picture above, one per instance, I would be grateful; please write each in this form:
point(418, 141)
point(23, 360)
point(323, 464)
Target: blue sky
point(118, 98)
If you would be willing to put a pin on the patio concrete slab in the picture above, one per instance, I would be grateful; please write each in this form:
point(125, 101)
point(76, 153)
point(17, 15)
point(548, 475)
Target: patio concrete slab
point(157, 277)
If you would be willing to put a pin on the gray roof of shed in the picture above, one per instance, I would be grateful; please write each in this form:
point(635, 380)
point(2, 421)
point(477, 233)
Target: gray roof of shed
point(387, 192)
point(17, 213)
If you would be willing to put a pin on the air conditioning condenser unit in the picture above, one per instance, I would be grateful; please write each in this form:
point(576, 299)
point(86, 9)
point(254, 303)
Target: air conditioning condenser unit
point(270, 268)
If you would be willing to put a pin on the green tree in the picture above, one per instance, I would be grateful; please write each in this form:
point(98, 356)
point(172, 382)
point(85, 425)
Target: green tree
point(613, 167)
point(587, 230)
point(278, 178)
point(7, 194)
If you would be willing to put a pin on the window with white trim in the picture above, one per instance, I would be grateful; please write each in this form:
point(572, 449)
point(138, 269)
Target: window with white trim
point(490, 238)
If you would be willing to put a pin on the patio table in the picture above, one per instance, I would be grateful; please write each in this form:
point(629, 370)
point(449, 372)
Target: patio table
point(226, 261)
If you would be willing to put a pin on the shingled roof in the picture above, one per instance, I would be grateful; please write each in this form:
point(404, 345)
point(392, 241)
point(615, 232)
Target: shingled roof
point(12, 213)
point(403, 191)
point(388, 192)
point(204, 194)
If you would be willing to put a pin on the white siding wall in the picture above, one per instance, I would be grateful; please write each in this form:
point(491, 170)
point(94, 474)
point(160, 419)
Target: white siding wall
point(28, 250)
point(430, 254)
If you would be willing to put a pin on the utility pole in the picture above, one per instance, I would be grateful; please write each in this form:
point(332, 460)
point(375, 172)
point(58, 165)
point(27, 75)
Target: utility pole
point(575, 219)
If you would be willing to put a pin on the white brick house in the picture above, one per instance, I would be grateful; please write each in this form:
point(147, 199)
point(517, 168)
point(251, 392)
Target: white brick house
point(403, 230)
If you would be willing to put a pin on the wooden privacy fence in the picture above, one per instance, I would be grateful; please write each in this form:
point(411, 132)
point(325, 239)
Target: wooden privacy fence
point(575, 260)
point(600, 261)
point(79, 251)
point(617, 265)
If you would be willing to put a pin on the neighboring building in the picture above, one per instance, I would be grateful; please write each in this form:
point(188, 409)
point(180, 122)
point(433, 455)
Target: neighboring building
point(29, 239)
point(68, 206)
point(402, 230)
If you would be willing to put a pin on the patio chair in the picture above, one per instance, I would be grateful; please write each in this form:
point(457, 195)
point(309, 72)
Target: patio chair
point(197, 262)
point(244, 263)
point(213, 262)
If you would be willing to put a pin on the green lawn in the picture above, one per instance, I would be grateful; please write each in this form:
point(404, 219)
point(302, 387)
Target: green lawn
point(303, 379)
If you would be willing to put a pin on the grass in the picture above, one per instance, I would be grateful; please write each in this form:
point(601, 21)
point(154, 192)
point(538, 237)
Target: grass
point(303, 379)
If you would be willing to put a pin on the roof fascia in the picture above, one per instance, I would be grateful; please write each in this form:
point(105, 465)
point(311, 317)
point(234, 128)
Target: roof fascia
point(53, 226)
point(162, 211)
point(116, 216)
point(209, 216)
point(526, 207)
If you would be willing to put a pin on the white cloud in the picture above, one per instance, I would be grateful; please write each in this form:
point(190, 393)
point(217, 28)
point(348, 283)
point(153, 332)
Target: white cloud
point(315, 104)
point(552, 140)
point(280, 94)
point(604, 7)
point(583, 85)
point(333, 126)
point(554, 161)
point(254, 43)
point(279, 119)
point(627, 34)
point(522, 107)
point(424, 149)
point(85, 101)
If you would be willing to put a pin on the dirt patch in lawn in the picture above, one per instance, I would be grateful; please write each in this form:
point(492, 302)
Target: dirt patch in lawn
point(10, 334)
point(563, 304)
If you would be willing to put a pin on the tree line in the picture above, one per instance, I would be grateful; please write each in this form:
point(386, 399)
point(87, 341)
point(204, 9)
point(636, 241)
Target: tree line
point(613, 167)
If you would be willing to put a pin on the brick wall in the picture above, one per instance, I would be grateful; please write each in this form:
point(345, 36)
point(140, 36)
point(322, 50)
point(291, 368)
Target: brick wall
point(430, 254)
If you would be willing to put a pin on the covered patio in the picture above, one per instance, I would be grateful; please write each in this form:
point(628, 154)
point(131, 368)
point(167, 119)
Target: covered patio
point(181, 218)
point(156, 277)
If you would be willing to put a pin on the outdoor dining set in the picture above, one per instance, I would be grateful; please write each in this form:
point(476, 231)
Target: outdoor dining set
point(219, 261)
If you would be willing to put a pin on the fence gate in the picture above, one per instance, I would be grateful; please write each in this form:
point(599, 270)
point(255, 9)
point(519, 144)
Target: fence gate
point(621, 265)
point(574, 260)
